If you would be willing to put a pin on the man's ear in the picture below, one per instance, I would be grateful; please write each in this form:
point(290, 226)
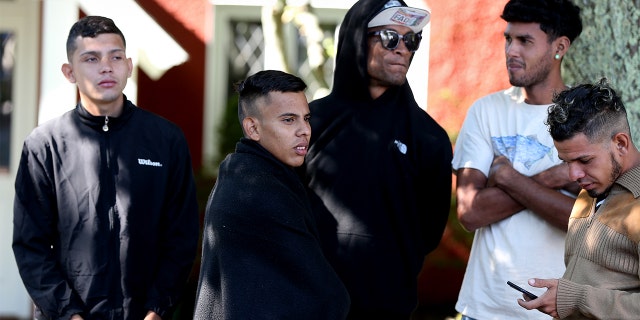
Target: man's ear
point(130, 66)
point(67, 71)
point(250, 126)
point(562, 45)
point(622, 142)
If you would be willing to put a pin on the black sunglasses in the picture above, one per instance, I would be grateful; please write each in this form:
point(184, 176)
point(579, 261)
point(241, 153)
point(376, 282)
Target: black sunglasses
point(391, 39)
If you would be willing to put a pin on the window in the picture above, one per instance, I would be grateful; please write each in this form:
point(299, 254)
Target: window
point(239, 49)
point(7, 62)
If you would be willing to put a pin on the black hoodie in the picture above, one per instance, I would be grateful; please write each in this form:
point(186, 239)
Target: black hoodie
point(380, 178)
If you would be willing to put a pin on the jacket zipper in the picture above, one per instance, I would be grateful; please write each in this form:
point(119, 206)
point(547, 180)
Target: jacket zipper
point(105, 127)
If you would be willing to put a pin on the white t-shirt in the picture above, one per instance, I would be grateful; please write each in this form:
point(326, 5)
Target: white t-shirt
point(523, 245)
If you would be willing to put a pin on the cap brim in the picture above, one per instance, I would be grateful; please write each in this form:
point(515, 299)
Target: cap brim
point(413, 18)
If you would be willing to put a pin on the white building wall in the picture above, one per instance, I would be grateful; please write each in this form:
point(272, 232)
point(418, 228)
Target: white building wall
point(22, 18)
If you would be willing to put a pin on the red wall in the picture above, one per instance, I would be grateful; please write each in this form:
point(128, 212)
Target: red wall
point(467, 58)
point(179, 94)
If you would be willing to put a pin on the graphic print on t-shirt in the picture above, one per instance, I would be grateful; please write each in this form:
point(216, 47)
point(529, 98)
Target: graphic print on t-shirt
point(520, 149)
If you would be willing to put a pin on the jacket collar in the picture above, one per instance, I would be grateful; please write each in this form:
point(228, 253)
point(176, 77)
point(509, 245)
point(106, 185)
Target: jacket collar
point(630, 180)
point(98, 122)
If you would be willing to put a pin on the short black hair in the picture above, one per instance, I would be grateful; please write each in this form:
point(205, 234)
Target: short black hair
point(557, 18)
point(91, 26)
point(595, 110)
point(260, 84)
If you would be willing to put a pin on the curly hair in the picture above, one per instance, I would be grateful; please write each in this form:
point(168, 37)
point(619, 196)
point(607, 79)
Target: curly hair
point(556, 17)
point(595, 110)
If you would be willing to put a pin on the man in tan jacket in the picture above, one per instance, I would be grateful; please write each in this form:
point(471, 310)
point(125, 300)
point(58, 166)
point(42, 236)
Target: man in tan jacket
point(590, 130)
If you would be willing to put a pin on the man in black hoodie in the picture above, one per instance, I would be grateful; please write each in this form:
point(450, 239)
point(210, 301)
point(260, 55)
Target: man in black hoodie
point(379, 167)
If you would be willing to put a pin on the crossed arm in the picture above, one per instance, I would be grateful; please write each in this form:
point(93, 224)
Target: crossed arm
point(484, 200)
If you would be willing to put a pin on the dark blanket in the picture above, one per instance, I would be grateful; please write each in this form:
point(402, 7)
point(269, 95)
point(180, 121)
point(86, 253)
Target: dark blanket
point(261, 257)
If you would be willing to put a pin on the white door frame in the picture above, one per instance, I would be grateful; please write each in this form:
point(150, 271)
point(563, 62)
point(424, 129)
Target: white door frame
point(21, 17)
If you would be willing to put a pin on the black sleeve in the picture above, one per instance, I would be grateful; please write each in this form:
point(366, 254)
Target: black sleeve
point(35, 239)
point(437, 182)
point(180, 233)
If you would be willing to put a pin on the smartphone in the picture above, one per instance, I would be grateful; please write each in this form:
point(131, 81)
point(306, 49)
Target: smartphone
point(527, 293)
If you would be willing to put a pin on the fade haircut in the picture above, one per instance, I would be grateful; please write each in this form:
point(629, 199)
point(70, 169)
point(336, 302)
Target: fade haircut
point(557, 18)
point(595, 110)
point(91, 27)
point(260, 85)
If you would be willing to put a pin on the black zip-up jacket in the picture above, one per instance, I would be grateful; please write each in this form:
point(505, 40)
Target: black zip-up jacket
point(380, 176)
point(105, 222)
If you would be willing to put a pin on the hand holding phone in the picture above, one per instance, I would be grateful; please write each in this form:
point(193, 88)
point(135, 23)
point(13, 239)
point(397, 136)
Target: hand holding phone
point(527, 293)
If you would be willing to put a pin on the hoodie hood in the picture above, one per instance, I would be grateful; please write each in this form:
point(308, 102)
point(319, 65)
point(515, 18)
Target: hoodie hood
point(351, 79)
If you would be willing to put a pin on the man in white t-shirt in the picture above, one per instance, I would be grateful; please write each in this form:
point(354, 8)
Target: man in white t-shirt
point(512, 189)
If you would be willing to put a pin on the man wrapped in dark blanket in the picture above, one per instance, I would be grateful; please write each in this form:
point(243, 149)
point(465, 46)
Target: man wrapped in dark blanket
point(261, 256)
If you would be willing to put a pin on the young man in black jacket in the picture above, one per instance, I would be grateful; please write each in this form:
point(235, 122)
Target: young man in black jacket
point(105, 213)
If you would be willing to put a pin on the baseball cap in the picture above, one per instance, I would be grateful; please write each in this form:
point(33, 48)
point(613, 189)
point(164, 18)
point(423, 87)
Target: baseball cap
point(395, 13)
